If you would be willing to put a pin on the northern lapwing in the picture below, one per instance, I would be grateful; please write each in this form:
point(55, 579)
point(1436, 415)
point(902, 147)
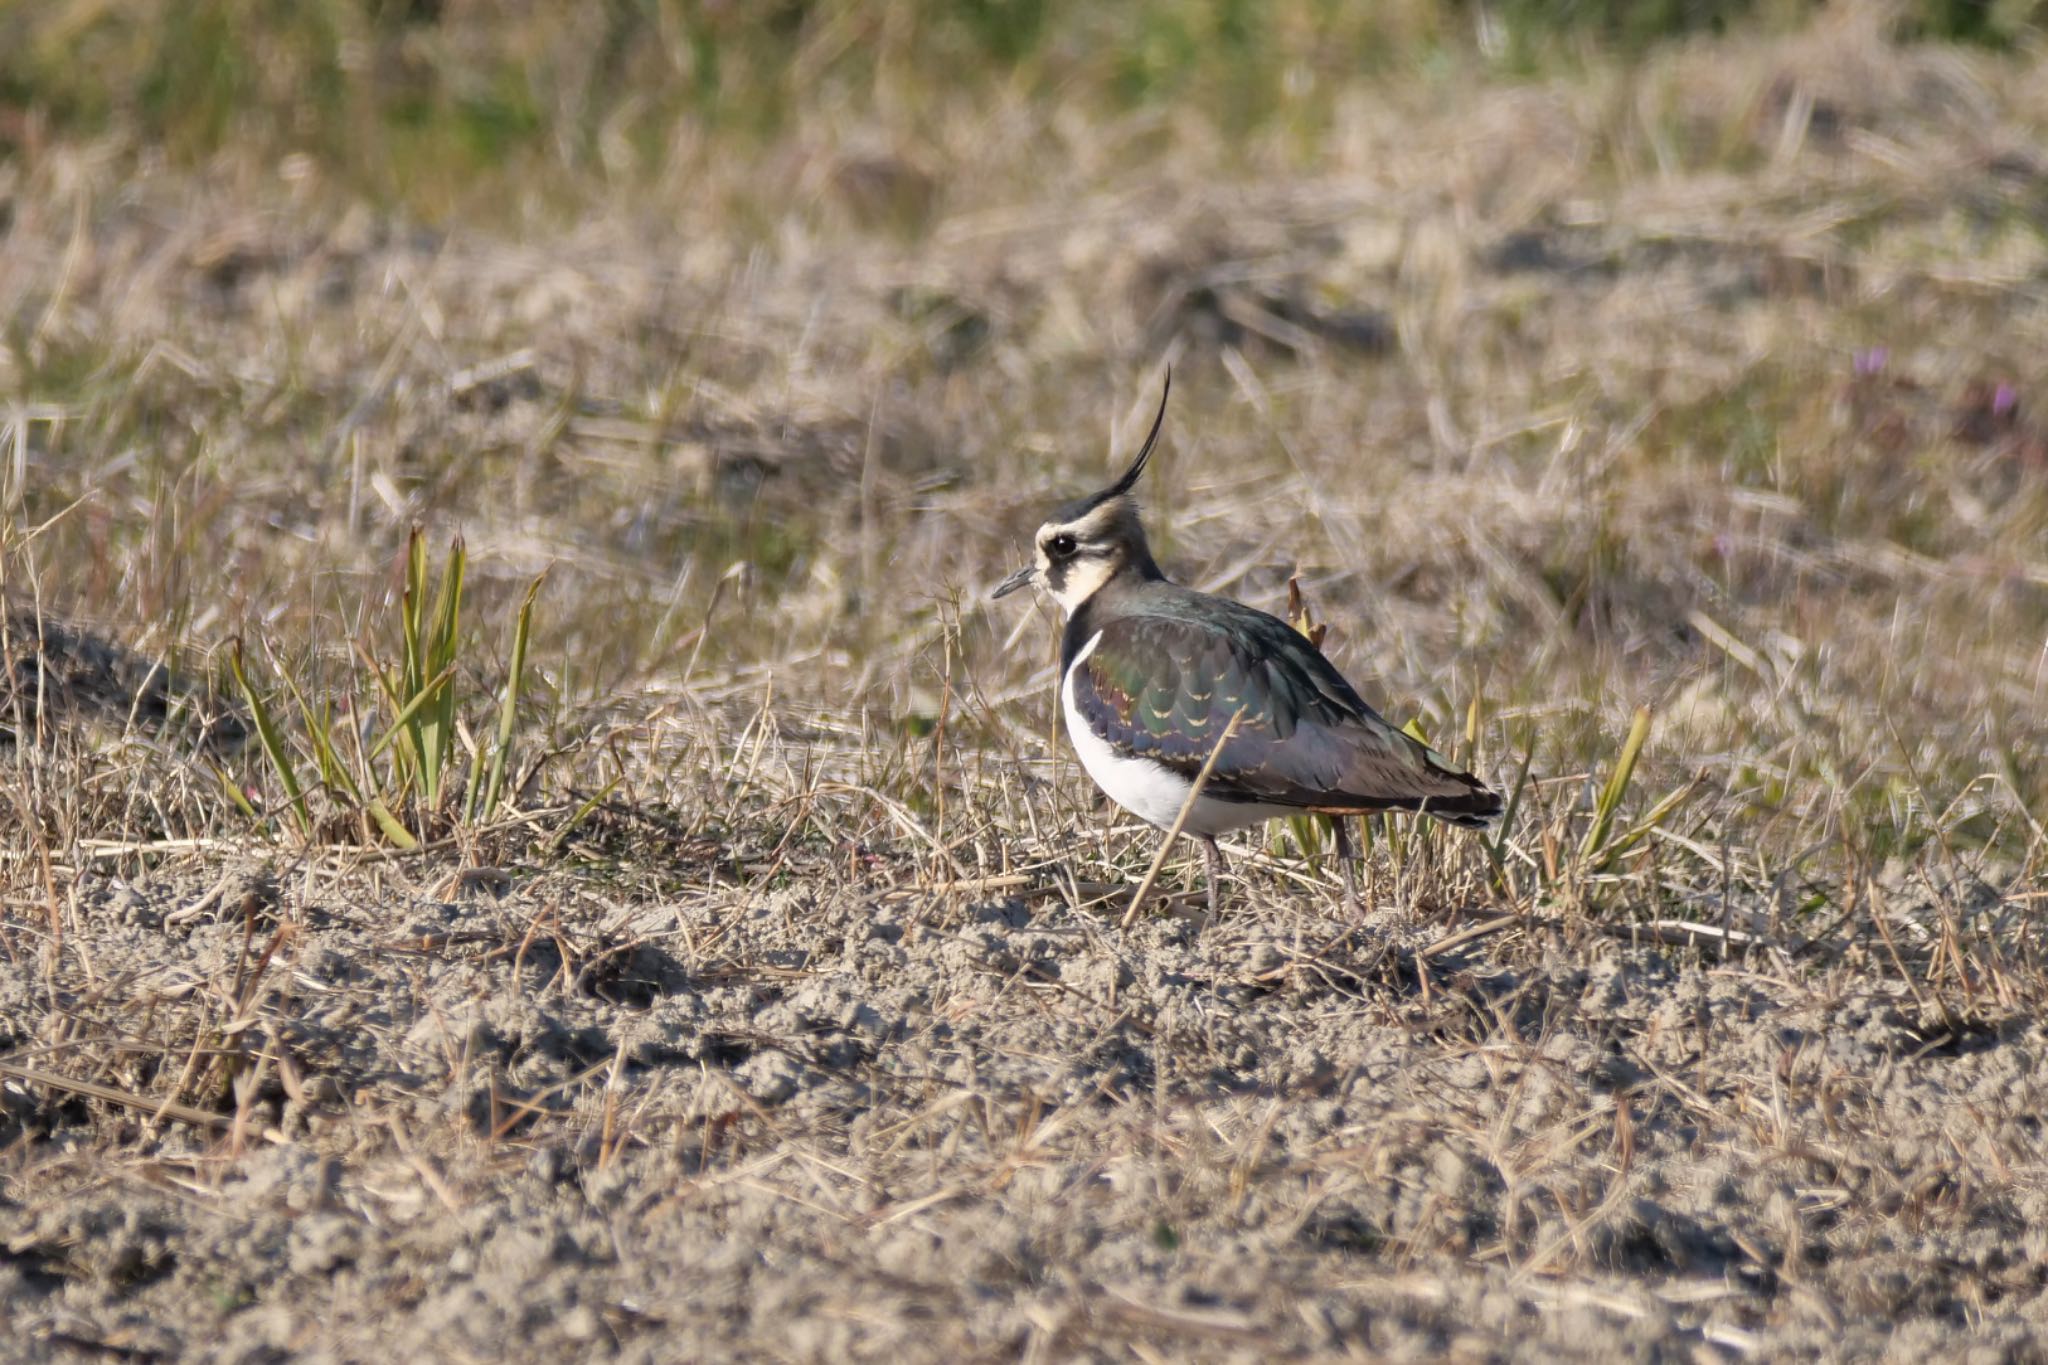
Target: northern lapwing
point(1151, 674)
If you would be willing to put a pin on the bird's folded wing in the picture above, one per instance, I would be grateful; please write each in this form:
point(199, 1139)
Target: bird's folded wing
point(1166, 687)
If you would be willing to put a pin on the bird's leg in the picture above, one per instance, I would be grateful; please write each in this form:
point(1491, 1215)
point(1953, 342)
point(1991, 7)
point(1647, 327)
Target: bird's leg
point(1215, 857)
point(1347, 860)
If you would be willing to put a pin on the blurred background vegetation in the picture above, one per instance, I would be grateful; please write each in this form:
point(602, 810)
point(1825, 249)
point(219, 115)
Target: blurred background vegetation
point(1546, 330)
point(437, 106)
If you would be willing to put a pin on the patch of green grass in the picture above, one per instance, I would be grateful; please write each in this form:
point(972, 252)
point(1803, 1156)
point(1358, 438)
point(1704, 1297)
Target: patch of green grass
point(394, 779)
point(439, 107)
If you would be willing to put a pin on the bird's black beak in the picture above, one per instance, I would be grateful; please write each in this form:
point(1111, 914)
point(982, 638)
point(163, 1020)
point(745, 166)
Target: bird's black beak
point(1015, 581)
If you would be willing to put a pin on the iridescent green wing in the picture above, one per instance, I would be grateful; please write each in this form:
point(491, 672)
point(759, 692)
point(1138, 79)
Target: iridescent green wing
point(1165, 687)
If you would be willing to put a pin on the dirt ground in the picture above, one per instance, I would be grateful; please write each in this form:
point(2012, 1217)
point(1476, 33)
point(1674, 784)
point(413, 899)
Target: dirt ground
point(783, 1011)
point(821, 1127)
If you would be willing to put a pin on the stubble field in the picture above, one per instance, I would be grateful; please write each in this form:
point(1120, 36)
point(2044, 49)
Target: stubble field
point(780, 1007)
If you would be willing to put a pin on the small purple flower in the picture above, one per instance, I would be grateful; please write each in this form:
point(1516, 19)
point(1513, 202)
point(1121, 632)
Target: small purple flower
point(1871, 360)
point(2004, 399)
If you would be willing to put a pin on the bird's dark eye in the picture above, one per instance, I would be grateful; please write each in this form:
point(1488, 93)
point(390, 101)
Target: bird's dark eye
point(1060, 546)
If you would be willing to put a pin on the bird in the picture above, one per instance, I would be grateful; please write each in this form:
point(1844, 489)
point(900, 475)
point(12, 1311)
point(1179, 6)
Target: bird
point(1152, 673)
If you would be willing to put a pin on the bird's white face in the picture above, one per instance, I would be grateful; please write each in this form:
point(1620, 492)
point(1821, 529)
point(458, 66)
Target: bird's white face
point(1074, 558)
point(1087, 543)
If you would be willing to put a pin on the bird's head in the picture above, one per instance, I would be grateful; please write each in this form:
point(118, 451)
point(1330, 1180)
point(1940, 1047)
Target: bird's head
point(1092, 540)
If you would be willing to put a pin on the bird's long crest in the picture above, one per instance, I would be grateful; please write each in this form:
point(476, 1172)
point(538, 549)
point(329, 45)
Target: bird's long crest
point(1130, 478)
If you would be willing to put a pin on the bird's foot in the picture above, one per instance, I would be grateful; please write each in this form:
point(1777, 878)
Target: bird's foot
point(1214, 855)
point(1347, 860)
point(1351, 898)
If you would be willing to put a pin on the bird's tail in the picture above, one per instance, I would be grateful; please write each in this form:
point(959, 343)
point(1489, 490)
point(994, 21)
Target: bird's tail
point(1454, 797)
point(1477, 808)
point(1459, 798)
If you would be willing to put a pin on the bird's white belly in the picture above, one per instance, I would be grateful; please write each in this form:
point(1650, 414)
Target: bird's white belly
point(1151, 791)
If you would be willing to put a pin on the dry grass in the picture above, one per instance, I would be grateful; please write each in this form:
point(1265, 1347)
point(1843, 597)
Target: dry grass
point(783, 1011)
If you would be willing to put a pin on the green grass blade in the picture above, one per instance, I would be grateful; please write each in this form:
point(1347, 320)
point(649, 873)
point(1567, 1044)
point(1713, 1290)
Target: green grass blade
point(389, 683)
point(1617, 784)
point(234, 794)
point(320, 732)
point(473, 788)
point(414, 771)
point(410, 609)
point(1497, 847)
point(268, 737)
point(508, 709)
point(1641, 829)
point(1514, 806)
point(402, 724)
point(394, 829)
point(437, 722)
point(580, 814)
